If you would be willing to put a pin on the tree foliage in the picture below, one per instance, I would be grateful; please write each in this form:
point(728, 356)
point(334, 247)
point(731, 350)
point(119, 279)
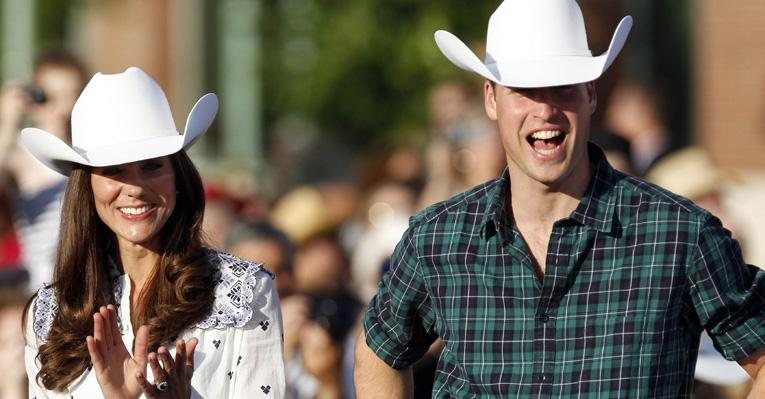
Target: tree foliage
point(360, 69)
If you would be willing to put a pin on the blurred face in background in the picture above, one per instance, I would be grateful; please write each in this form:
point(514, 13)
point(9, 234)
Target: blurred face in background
point(271, 254)
point(61, 87)
point(320, 267)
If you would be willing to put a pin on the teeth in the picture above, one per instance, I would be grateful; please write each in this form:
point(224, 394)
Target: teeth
point(546, 134)
point(135, 211)
point(545, 152)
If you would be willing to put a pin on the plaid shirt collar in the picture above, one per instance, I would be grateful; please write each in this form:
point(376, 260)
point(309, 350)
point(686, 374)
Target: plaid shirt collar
point(597, 208)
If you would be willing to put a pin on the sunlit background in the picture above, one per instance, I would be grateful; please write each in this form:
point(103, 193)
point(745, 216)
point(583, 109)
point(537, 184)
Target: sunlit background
point(358, 73)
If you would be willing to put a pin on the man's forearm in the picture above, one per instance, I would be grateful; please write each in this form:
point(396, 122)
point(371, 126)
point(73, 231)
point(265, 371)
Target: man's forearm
point(755, 366)
point(373, 378)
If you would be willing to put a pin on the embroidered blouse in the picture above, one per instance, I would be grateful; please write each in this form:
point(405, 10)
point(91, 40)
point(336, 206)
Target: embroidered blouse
point(240, 348)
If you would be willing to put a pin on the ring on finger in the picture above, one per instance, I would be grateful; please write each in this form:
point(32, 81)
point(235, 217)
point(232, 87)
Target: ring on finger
point(162, 386)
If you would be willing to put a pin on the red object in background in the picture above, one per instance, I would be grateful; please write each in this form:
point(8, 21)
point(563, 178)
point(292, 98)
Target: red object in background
point(250, 208)
point(10, 252)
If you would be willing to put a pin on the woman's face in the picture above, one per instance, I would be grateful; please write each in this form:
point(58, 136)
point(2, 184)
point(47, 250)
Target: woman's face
point(135, 200)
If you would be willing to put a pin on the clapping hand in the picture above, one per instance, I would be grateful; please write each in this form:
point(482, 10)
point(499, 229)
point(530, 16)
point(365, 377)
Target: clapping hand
point(173, 377)
point(112, 362)
point(122, 376)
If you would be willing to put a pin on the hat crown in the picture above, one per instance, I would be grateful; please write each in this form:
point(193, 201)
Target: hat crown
point(523, 29)
point(120, 108)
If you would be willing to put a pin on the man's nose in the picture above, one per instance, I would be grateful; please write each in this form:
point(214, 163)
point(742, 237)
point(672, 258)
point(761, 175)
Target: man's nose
point(545, 106)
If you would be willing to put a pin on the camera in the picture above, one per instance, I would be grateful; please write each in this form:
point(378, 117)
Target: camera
point(36, 94)
point(335, 313)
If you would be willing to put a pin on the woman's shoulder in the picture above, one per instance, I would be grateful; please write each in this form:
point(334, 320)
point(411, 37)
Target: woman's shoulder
point(229, 265)
point(242, 288)
point(41, 313)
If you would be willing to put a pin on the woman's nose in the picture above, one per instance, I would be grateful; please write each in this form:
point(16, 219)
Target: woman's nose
point(133, 183)
point(133, 189)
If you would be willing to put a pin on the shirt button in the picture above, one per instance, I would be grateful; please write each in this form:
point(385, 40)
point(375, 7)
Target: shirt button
point(544, 318)
point(540, 378)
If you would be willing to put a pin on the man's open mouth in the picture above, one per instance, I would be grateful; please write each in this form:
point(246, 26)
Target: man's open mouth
point(546, 142)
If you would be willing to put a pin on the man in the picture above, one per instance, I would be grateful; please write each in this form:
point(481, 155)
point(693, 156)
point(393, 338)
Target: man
point(563, 277)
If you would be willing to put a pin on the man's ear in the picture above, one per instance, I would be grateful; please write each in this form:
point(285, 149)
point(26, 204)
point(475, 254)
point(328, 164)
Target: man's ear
point(592, 96)
point(490, 100)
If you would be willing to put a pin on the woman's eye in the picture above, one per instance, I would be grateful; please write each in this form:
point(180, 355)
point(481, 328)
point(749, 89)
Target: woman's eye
point(110, 171)
point(152, 166)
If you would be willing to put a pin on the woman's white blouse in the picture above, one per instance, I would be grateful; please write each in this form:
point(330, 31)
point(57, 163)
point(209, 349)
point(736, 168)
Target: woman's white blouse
point(239, 354)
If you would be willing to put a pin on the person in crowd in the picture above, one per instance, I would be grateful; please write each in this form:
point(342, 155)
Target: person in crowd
point(634, 113)
point(318, 316)
point(562, 277)
point(139, 305)
point(12, 299)
point(616, 149)
point(262, 241)
point(57, 79)
point(463, 148)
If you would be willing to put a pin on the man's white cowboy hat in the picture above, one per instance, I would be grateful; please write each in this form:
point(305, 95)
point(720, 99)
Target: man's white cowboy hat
point(120, 118)
point(535, 43)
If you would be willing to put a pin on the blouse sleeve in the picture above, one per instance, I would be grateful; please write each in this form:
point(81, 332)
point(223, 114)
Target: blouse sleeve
point(30, 354)
point(260, 363)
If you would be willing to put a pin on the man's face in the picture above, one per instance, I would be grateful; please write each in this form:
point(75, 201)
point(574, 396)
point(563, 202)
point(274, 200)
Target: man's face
point(544, 131)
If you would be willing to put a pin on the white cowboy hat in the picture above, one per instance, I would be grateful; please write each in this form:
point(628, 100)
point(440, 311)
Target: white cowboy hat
point(120, 118)
point(535, 43)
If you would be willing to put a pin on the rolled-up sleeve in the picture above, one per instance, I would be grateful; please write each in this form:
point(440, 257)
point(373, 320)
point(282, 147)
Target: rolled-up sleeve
point(399, 320)
point(728, 294)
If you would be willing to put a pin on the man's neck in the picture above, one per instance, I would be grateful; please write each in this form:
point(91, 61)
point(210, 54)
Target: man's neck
point(536, 207)
point(535, 203)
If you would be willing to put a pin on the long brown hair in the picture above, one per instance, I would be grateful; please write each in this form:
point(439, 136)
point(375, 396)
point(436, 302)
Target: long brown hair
point(178, 293)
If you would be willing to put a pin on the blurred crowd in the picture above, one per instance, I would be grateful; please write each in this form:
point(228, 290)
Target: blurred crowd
point(329, 222)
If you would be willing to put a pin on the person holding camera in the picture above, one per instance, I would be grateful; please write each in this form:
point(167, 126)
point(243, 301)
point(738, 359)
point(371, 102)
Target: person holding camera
point(36, 191)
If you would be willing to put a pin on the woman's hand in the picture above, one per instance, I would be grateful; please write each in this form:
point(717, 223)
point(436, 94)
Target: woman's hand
point(172, 378)
point(111, 360)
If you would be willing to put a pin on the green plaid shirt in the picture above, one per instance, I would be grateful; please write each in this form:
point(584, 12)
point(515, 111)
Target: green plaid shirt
point(632, 277)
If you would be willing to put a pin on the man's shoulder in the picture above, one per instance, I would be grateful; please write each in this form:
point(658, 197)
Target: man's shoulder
point(641, 196)
point(473, 201)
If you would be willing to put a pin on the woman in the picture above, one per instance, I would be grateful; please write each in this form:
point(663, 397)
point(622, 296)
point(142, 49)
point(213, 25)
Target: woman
point(130, 254)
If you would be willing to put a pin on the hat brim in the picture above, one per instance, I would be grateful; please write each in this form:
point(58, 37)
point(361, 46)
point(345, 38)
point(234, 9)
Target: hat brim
point(57, 155)
point(200, 118)
point(535, 71)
